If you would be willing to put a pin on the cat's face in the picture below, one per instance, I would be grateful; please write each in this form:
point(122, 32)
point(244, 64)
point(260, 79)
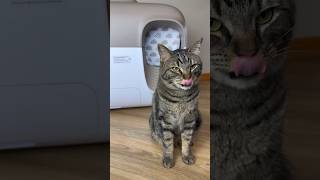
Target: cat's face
point(249, 39)
point(180, 69)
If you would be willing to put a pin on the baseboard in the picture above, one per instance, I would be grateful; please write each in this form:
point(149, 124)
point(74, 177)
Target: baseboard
point(205, 77)
point(305, 44)
point(304, 49)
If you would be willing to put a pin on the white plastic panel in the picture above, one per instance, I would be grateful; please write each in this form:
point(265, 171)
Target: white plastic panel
point(127, 75)
point(121, 98)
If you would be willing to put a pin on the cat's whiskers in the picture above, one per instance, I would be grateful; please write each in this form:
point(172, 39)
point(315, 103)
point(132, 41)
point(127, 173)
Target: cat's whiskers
point(274, 51)
point(277, 54)
point(279, 40)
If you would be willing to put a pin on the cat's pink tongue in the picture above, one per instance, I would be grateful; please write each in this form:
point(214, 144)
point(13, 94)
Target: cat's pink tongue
point(187, 82)
point(248, 66)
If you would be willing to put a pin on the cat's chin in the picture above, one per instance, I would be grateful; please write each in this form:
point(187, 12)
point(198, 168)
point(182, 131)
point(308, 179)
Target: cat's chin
point(179, 86)
point(241, 82)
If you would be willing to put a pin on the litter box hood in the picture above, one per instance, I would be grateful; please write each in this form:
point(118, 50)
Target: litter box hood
point(132, 78)
point(129, 20)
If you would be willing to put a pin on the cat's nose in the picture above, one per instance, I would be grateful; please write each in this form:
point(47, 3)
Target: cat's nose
point(247, 53)
point(187, 76)
point(245, 45)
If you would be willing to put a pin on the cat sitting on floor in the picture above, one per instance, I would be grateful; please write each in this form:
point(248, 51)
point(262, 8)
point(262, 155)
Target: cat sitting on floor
point(175, 115)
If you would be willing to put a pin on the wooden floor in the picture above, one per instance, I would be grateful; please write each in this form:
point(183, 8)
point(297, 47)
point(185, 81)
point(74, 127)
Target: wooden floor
point(84, 162)
point(302, 129)
point(134, 155)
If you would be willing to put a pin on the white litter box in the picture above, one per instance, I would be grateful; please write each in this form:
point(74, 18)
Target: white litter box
point(135, 31)
point(53, 73)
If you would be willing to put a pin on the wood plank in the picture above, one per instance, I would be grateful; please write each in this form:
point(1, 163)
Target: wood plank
point(84, 162)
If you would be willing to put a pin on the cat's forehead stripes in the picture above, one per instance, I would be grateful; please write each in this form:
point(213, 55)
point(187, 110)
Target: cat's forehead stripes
point(182, 57)
point(233, 3)
point(179, 58)
point(237, 7)
point(237, 15)
point(234, 7)
point(221, 7)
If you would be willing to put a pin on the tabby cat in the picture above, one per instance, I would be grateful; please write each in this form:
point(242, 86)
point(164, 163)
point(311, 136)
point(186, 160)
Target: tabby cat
point(249, 39)
point(175, 115)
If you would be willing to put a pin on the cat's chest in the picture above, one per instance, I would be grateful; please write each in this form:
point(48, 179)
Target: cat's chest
point(177, 113)
point(180, 110)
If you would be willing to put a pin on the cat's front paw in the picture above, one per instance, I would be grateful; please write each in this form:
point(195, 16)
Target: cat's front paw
point(167, 162)
point(189, 159)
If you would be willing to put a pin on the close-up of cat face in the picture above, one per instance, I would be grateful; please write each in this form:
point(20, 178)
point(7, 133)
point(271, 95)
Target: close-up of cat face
point(249, 39)
point(180, 69)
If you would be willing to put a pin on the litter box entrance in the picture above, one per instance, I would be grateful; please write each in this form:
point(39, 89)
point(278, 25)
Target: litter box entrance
point(168, 33)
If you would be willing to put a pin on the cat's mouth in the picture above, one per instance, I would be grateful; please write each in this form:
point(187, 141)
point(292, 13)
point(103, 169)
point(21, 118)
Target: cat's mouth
point(245, 67)
point(186, 84)
point(232, 75)
point(185, 87)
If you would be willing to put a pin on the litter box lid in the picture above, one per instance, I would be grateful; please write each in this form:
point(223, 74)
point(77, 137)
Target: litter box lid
point(129, 18)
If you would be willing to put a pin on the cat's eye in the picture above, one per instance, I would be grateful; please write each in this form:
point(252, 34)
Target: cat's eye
point(266, 16)
point(176, 69)
point(216, 25)
point(194, 67)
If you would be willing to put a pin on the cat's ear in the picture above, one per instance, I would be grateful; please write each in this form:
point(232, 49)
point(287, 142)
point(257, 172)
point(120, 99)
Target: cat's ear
point(164, 53)
point(195, 48)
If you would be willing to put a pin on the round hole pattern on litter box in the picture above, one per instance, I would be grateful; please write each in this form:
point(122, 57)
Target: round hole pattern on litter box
point(166, 36)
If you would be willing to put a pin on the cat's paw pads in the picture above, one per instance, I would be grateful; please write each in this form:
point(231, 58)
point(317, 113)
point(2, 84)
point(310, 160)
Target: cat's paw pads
point(190, 159)
point(167, 162)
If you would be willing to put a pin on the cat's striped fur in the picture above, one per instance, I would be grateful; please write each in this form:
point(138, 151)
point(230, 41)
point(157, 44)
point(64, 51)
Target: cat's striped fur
point(247, 111)
point(175, 115)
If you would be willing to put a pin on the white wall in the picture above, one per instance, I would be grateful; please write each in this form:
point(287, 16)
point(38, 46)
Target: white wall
point(308, 18)
point(197, 16)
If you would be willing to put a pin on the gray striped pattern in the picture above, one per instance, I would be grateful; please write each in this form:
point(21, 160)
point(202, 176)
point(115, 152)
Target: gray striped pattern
point(175, 115)
point(247, 113)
